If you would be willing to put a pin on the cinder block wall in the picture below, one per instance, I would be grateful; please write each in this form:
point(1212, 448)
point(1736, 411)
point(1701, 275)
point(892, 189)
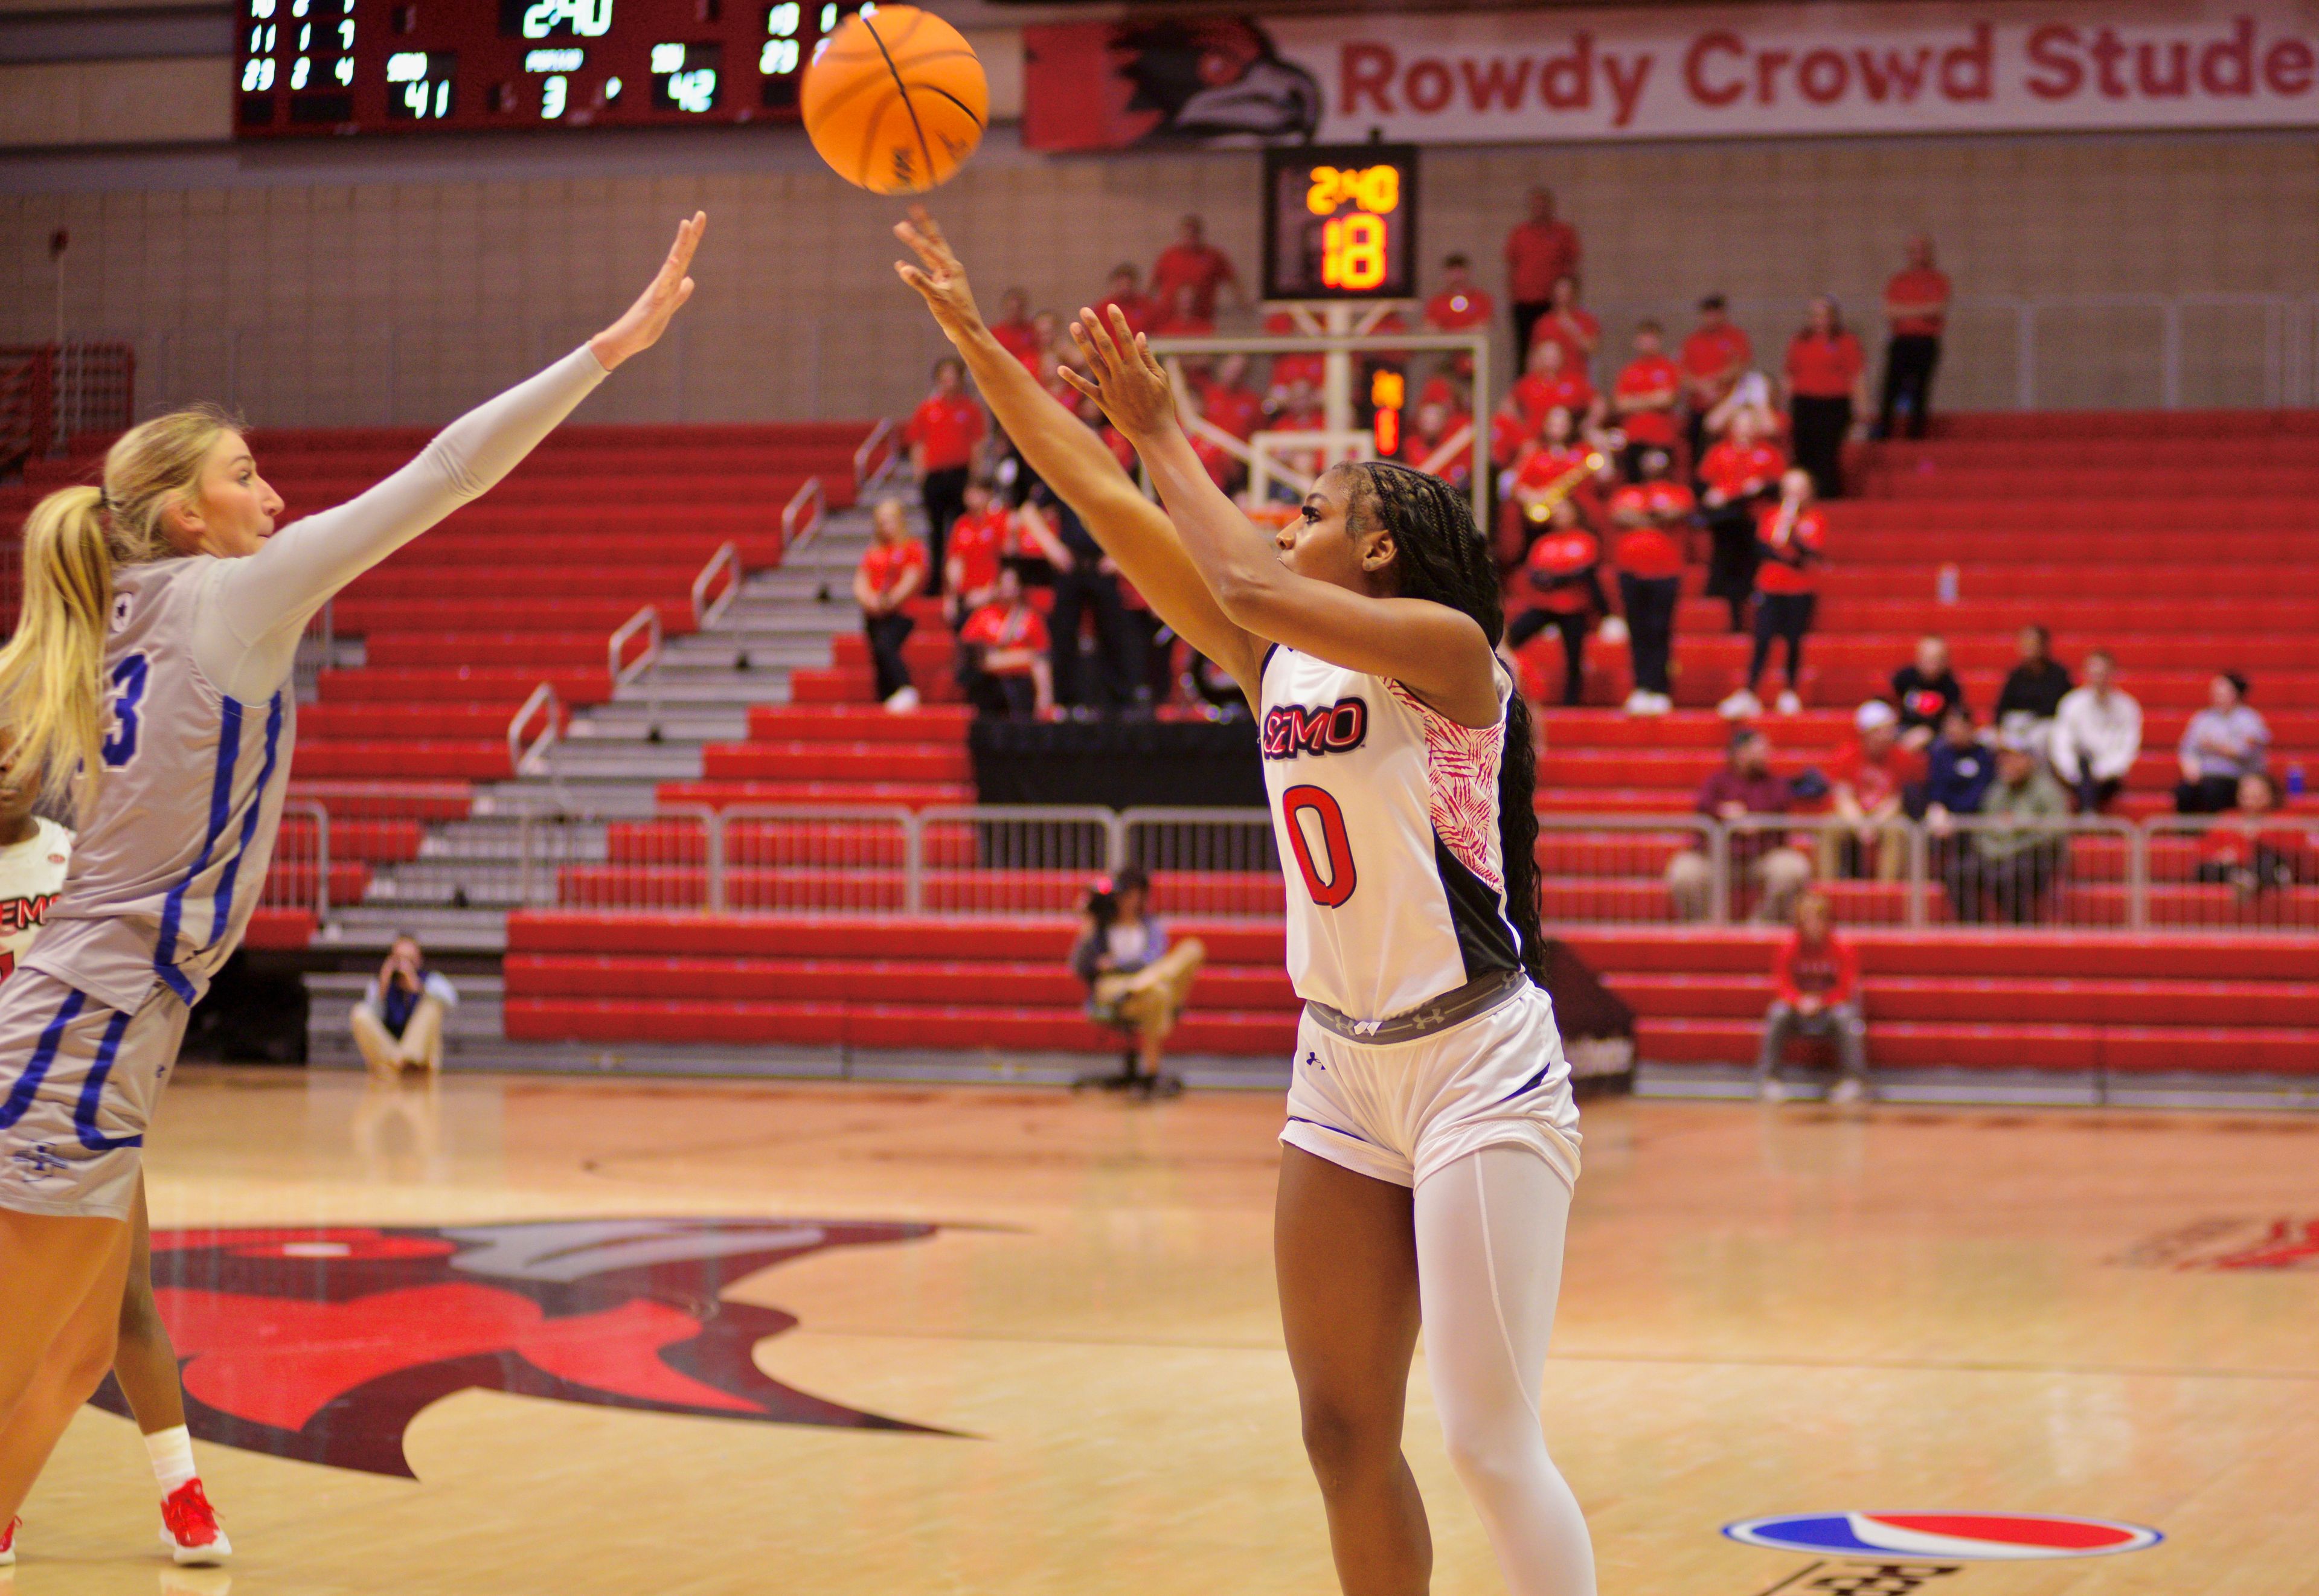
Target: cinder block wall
point(318, 289)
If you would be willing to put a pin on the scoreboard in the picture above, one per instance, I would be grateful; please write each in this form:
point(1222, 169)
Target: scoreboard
point(307, 68)
point(1341, 222)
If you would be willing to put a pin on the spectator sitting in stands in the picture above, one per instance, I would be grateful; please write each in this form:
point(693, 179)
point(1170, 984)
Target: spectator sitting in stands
point(1872, 776)
point(1446, 385)
point(1815, 992)
point(1015, 329)
point(2006, 870)
point(1564, 572)
point(1714, 356)
point(1138, 307)
point(1136, 982)
point(1179, 317)
point(1460, 307)
point(2247, 854)
point(893, 569)
point(1433, 425)
point(2095, 736)
point(1192, 262)
point(1560, 465)
point(2033, 690)
point(1958, 771)
point(1644, 398)
point(2225, 741)
point(979, 540)
point(1927, 689)
point(1742, 473)
point(1003, 663)
point(1765, 858)
point(399, 1023)
point(1551, 383)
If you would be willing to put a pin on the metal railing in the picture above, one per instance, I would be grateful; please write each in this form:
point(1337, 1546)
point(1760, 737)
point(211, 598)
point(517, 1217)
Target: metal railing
point(2232, 872)
point(876, 456)
point(1631, 869)
point(530, 759)
point(801, 516)
point(299, 875)
point(727, 559)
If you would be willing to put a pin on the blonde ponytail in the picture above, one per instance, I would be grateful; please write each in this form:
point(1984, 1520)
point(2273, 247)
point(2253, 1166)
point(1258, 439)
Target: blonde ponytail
point(52, 688)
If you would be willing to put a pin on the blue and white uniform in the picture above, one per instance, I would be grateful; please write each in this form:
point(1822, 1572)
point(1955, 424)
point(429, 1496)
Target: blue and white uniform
point(1421, 1038)
point(173, 849)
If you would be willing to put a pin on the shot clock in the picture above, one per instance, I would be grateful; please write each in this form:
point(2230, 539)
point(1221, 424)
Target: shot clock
point(309, 68)
point(1341, 222)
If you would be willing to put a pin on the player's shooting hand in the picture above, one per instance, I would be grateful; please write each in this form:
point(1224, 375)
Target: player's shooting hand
point(939, 278)
point(1121, 376)
point(640, 329)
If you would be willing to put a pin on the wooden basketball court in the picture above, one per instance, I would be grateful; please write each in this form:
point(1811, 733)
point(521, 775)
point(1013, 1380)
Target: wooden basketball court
point(2111, 1315)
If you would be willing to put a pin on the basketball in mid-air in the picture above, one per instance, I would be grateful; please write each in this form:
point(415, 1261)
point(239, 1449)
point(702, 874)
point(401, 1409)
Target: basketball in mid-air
point(895, 100)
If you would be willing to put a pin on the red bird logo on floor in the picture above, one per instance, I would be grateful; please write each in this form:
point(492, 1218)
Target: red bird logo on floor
point(323, 1345)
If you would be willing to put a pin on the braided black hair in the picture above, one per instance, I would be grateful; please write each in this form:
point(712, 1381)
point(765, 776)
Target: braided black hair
point(1439, 553)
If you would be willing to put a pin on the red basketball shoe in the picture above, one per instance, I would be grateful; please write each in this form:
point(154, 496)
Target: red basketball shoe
point(8, 1542)
point(190, 1527)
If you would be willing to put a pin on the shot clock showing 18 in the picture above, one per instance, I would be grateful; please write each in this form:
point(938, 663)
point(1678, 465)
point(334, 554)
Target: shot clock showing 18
point(895, 100)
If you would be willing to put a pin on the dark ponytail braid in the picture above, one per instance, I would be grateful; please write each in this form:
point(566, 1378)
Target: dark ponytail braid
point(1439, 553)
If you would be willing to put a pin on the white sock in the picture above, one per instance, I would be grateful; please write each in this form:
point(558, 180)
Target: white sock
point(172, 1452)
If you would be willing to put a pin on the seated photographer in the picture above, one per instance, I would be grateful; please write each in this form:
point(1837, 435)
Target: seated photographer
point(399, 1023)
point(1135, 981)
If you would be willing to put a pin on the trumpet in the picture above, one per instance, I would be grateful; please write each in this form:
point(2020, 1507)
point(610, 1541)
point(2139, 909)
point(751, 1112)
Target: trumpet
point(1542, 509)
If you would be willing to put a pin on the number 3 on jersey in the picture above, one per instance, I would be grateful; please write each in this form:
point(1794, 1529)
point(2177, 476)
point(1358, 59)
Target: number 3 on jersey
point(1329, 821)
point(128, 693)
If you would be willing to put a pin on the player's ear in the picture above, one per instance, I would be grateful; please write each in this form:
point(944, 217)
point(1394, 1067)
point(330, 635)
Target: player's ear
point(1377, 550)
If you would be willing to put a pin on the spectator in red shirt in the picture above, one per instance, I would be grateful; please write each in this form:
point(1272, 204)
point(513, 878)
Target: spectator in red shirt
point(1742, 473)
point(1180, 316)
point(1650, 579)
point(1764, 857)
point(1288, 370)
point(1563, 574)
point(946, 436)
point(1869, 780)
point(1790, 538)
point(979, 540)
point(1462, 305)
point(1540, 253)
point(1446, 386)
point(1713, 358)
point(1570, 324)
point(893, 570)
point(1557, 465)
point(2248, 850)
point(1643, 400)
point(1004, 667)
point(1815, 992)
point(1192, 262)
point(1230, 403)
point(1552, 383)
point(1015, 329)
point(1433, 427)
point(1139, 308)
point(1826, 395)
point(1917, 309)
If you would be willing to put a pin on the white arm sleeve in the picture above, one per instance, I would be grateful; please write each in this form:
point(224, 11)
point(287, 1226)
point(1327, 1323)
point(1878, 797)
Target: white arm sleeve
point(253, 610)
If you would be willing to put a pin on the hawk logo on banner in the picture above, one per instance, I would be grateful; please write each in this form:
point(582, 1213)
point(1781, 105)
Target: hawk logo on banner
point(323, 1344)
point(1160, 81)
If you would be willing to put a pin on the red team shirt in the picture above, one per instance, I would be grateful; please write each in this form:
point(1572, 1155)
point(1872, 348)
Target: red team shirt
point(1828, 969)
point(948, 426)
point(1565, 552)
point(1927, 286)
point(1537, 257)
point(1712, 351)
point(886, 563)
point(1808, 533)
point(1235, 410)
point(1873, 780)
point(1201, 267)
point(1455, 312)
point(1547, 466)
point(1537, 393)
point(1824, 367)
point(999, 626)
point(1292, 368)
point(1652, 373)
point(1018, 339)
point(978, 543)
point(1649, 552)
point(1575, 354)
point(1735, 471)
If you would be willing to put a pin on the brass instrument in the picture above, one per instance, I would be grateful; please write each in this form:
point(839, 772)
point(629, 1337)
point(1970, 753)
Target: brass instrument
point(1542, 509)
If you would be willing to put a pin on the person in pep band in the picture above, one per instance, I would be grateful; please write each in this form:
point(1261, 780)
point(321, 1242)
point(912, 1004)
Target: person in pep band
point(147, 692)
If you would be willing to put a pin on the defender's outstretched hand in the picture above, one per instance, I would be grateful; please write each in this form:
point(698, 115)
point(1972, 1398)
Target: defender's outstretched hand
point(938, 276)
point(1132, 387)
point(640, 329)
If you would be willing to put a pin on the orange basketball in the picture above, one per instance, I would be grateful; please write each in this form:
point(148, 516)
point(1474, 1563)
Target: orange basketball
point(895, 100)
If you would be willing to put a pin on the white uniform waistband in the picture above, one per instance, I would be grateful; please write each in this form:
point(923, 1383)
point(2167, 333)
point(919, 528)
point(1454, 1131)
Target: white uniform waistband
point(1453, 1007)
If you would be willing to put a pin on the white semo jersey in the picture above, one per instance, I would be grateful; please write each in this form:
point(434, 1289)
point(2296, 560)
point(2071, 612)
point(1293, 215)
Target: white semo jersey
point(31, 873)
point(1386, 814)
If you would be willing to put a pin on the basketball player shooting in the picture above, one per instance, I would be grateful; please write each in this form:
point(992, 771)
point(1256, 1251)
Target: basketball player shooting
point(170, 586)
point(1431, 1140)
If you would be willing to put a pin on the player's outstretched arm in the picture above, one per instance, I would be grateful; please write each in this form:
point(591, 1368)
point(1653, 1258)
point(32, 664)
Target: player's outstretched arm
point(261, 604)
point(1075, 462)
point(1437, 652)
